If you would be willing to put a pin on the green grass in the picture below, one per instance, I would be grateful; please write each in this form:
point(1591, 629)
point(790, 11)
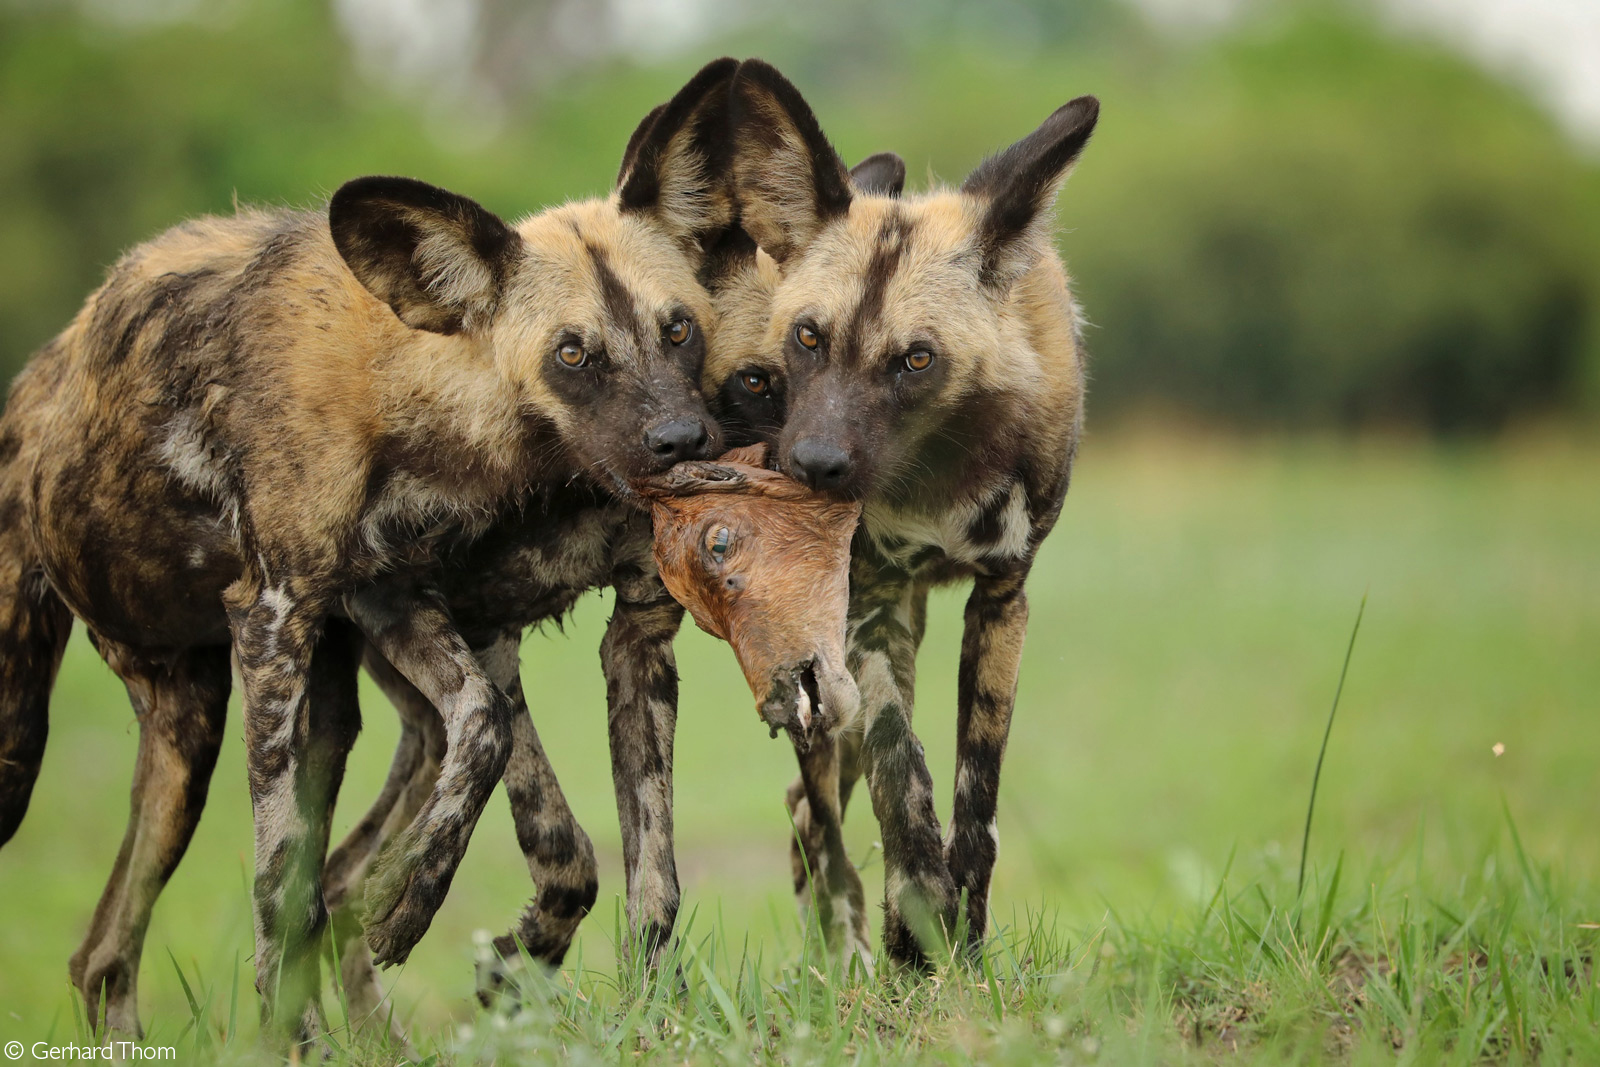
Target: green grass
point(1189, 618)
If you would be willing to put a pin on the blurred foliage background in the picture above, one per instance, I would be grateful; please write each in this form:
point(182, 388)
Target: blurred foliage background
point(1297, 217)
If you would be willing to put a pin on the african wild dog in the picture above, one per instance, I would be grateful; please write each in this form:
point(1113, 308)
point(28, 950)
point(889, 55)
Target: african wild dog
point(295, 417)
point(929, 363)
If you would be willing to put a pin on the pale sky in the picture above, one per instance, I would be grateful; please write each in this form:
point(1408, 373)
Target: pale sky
point(1552, 47)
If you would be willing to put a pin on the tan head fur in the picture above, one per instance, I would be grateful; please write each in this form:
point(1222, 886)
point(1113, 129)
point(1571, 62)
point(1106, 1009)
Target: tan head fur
point(593, 311)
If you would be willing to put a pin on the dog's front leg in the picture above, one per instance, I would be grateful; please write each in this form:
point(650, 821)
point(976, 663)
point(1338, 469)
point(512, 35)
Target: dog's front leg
point(293, 776)
point(559, 854)
point(410, 626)
point(919, 896)
point(642, 712)
point(991, 656)
point(822, 868)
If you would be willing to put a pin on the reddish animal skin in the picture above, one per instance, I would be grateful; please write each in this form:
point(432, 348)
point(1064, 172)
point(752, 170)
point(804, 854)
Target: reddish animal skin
point(763, 562)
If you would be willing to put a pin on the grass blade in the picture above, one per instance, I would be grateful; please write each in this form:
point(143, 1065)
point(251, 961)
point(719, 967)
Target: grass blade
point(188, 994)
point(995, 999)
point(233, 1000)
point(1325, 918)
point(1531, 882)
point(1316, 775)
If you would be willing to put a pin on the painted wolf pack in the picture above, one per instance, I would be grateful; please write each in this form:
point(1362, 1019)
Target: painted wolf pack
point(395, 432)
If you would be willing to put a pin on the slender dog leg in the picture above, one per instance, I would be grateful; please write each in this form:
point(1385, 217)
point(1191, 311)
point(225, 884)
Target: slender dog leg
point(410, 626)
point(335, 708)
point(991, 656)
point(412, 774)
point(559, 854)
point(840, 898)
point(919, 896)
point(182, 708)
point(840, 757)
point(295, 749)
point(642, 700)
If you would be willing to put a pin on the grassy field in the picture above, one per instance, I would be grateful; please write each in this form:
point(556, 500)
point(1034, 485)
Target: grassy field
point(1189, 619)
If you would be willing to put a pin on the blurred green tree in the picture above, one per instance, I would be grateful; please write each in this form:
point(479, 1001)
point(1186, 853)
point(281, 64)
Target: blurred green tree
point(1319, 225)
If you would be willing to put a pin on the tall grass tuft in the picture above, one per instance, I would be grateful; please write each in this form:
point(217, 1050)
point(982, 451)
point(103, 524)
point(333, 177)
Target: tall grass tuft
point(1316, 775)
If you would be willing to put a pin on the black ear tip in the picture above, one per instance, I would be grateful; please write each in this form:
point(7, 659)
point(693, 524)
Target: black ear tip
point(759, 72)
point(1081, 113)
point(390, 188)
point(351, 202)
point(364, 187)
point(755, 66)
point(882, 174)
point(716, 71)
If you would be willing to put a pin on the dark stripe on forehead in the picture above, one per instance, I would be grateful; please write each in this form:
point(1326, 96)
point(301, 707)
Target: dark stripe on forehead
point(886, 253)
point(614, 296)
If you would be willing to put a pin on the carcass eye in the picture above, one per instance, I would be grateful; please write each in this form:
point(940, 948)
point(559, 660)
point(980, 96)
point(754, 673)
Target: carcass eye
point(807, 337)
point(755, 382)
point(679, 331)
point(572, 355)
point(720, 542)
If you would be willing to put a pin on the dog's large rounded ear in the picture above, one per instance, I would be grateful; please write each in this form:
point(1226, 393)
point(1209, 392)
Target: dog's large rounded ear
point(883, 174)
point(789, 180)
point(438, 259)
point(1018, 185)
point(675, 167)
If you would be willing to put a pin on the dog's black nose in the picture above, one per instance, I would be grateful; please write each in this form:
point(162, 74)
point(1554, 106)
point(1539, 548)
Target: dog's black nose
point(819, 464)
point(678, 440)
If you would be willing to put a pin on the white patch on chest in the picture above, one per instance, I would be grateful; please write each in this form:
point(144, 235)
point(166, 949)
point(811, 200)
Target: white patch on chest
point(902, 534)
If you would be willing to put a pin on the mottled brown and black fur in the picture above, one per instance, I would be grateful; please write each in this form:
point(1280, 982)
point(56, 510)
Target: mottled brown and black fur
point(294, 417)
point(927, 355)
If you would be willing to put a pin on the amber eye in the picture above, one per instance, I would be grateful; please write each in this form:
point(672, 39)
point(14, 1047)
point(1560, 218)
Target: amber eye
point(756, 382)
point(679, 331)
point(919, 360)
point(572, 355)
point(807, 337)
point(720, 542)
